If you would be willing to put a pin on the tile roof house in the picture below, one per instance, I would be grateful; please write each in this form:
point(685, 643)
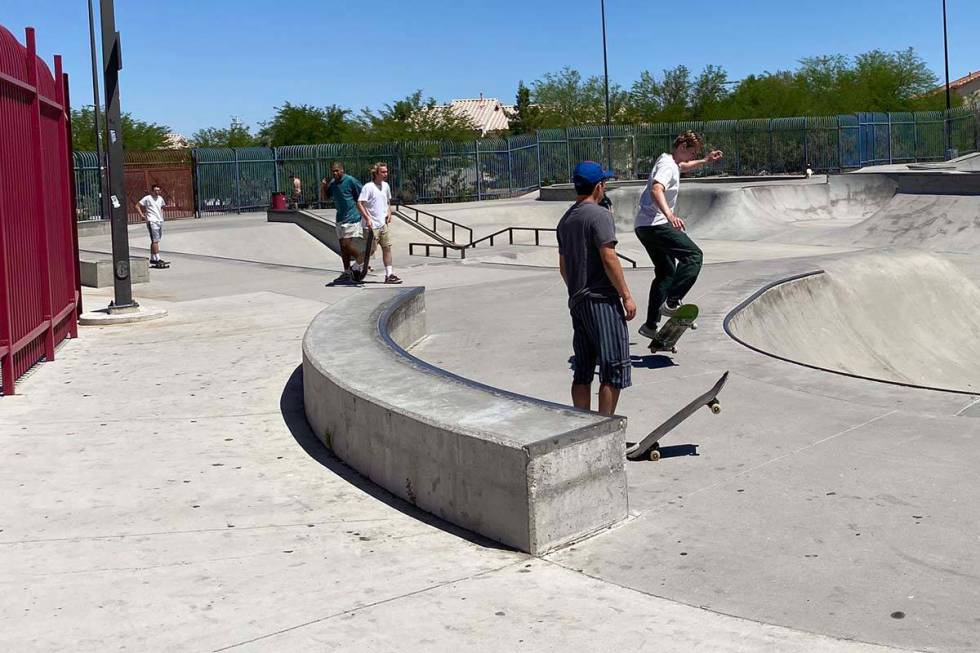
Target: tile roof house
point(966, 85)
point(486, 114)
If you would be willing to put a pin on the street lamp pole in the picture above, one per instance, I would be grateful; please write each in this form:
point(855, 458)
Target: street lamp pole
point(97, 116)
point(605, 68)
point(115, 160)
point(949, 131)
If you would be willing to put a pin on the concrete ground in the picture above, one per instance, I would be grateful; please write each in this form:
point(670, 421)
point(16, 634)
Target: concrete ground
point(163, 491)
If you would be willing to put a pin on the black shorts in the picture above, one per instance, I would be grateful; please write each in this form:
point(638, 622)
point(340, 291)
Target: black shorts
point(601, 338)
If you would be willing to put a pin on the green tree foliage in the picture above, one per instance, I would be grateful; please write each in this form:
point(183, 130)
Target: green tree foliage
point(302, 124)
point(236, 134)
point(565, 99)
point(527, 117)
point(413, 118)
point(829, 85)
point(137, 134)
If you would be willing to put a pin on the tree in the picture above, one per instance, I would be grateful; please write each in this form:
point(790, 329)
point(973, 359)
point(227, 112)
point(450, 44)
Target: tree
point(306, 125)
point(708, 91)
point(566, 100)
point(413, 118)
point(237, 134)
point(526, 116)
point(137, 134)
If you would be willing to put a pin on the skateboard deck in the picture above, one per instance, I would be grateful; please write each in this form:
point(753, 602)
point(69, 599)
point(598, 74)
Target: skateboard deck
point(649, 447)
point(160, 265)
point(368, 244)
point(672, 330)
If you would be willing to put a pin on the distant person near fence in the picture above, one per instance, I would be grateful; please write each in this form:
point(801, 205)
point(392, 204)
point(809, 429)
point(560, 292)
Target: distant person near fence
point(150, 209)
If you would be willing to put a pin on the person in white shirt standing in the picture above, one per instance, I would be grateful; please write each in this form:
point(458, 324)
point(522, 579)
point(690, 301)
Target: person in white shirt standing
point(676, 258)
point(150, 209)
point(374, 204)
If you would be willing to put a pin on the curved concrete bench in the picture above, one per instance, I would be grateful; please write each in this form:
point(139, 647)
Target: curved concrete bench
point(531, 474)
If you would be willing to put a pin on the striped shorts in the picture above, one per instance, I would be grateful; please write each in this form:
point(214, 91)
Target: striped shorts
point(601, 338)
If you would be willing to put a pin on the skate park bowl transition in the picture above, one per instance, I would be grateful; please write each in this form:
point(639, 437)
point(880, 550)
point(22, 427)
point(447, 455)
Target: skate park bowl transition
point(902, 317)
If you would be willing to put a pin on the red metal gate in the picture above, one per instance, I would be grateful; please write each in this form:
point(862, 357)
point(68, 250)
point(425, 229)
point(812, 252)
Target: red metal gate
point(39, 291)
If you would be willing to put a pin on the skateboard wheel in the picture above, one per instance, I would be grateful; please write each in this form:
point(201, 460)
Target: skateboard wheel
point(694, 326)
point(673, 350)
point(715, 407)
point(654, 455)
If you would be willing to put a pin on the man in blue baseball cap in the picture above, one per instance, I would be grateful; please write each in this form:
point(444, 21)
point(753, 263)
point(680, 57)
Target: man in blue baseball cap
point(599, 300)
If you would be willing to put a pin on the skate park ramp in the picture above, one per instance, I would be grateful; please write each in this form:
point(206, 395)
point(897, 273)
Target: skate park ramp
point(763, 210)
point(942, 223)
point(898, 316)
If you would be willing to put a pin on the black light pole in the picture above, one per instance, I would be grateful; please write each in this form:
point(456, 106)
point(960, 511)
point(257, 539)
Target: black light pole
point(97, 114)
point(605, 68)
point(112, 64)
point(949, 131)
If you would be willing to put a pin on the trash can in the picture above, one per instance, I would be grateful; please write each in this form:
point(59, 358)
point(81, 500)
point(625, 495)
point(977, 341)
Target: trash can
point(279, 201)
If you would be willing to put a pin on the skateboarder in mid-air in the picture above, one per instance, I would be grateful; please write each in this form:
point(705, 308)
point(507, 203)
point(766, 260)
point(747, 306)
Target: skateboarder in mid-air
point(676, 258)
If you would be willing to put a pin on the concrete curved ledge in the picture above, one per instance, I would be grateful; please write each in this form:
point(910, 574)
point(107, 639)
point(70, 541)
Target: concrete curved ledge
point(904, 318)
point(528, 473)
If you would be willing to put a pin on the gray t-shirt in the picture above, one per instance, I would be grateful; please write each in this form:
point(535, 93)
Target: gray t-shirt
point(583, 229)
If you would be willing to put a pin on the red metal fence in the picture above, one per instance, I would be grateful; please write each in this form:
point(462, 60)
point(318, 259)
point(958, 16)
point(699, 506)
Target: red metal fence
point(39, 290)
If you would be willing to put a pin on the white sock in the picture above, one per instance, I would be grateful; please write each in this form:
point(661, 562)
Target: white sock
point(389, 270)
point(356, 267)
point(154, 257)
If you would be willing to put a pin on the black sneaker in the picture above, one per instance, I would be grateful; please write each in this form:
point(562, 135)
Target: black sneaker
point(648, 332)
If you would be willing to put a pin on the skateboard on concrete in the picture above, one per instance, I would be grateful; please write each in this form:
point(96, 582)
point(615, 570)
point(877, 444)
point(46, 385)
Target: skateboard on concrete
point(672, 330)
point(160, 265)
point(358, 276)
point(649, 447)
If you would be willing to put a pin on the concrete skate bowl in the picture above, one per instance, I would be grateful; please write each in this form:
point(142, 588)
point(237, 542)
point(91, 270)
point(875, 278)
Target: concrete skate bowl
point(767, 211)
point(907, 318)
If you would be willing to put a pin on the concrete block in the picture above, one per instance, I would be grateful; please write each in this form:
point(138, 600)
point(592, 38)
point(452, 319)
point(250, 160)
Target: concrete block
point(97, 273)
point(527, 473)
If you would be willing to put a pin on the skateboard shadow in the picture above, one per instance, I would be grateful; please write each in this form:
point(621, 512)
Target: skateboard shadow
point(676, 450)
point(652, 361)
point(294, 415)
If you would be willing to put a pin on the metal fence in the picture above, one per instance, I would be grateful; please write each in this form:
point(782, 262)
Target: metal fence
point(172, 170)
point(430, 172)
point(39, 291)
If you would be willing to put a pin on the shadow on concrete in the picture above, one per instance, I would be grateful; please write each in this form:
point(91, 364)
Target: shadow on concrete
point(652, 362)
point(294, 415)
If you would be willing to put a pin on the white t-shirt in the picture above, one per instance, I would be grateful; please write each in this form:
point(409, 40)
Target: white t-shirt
point(666, 171)
point(153, 208)
point(376, 200)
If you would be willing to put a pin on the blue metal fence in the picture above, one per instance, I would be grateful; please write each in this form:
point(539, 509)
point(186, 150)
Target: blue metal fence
point(428, 171)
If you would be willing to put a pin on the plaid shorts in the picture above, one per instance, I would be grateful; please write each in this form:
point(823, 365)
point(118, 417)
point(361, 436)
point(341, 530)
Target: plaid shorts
point(601, 338)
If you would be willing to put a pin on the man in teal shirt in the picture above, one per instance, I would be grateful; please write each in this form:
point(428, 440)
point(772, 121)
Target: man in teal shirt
point(344, 191)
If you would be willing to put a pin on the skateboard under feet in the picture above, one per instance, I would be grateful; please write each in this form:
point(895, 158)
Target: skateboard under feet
point(672, 330)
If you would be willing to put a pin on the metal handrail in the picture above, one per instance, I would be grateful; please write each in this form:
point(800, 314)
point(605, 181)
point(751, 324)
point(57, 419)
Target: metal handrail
point(436, 219)
point(510, 234)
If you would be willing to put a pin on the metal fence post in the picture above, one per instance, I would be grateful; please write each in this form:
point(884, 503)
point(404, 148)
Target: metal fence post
point(6, 333)
point(479, 172)
point(510, 172)
point(890, 158)
point(806, 145)
point(738, 150)
point(238, 182)
point(537, 149)
point(568, 156)
point(41, 188)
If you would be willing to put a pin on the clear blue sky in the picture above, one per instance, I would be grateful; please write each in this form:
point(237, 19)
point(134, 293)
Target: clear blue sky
point(195, 63)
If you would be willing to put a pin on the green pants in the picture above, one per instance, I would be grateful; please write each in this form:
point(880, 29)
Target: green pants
point(676, 263)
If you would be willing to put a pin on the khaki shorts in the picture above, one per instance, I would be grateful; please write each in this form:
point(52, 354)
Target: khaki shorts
point(349, 230)
point(382, 237)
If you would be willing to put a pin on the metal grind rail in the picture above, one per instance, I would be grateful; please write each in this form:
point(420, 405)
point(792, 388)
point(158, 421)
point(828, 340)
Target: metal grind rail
point(490, 239)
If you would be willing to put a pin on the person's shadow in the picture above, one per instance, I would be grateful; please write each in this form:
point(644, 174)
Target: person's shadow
point(294, 415)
